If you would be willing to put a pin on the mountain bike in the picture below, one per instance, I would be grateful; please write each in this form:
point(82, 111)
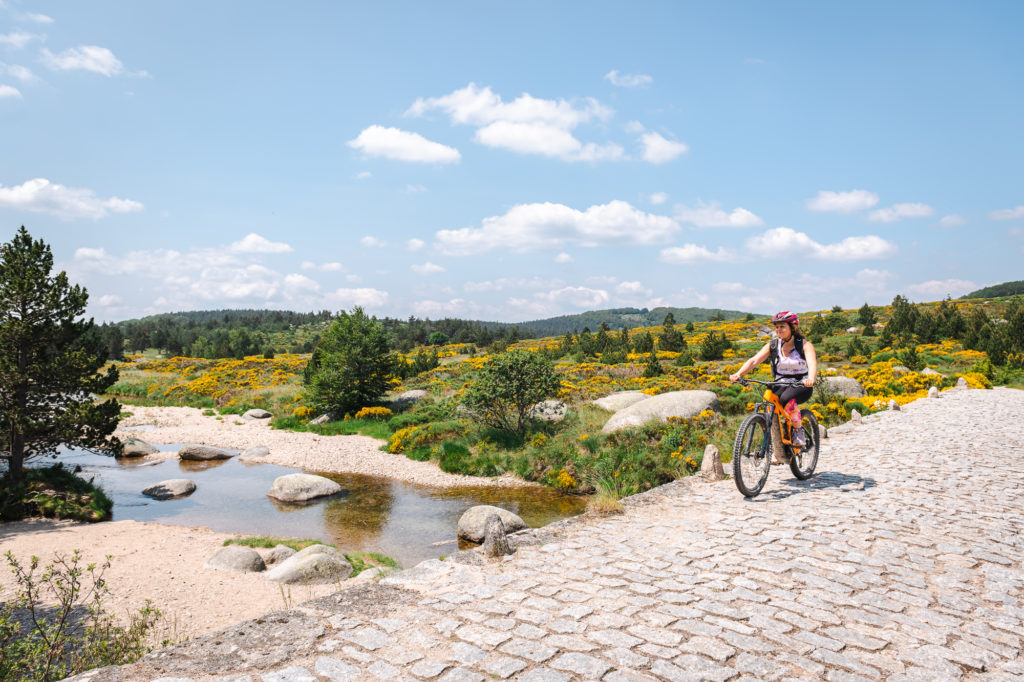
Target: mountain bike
point(752, 450)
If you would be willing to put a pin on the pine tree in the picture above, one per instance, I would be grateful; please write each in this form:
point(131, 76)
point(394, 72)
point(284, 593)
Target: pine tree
point(50, 362)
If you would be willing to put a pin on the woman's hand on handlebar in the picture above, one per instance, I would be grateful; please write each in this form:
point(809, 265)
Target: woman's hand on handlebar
point(735, 377)
point(808, 382)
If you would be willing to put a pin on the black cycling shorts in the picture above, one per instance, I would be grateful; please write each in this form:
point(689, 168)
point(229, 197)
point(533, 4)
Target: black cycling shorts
point(797, 392)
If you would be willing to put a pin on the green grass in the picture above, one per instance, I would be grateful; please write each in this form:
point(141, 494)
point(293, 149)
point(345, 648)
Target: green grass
point(360, 561)
point(374, 428)
point(58, 493)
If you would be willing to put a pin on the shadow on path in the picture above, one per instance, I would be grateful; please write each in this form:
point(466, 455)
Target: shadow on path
point(821, 480)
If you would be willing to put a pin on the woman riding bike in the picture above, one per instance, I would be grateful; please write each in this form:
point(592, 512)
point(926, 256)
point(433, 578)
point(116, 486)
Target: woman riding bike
point(792, 357)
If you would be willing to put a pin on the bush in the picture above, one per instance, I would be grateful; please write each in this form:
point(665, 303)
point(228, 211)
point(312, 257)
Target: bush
point(55, 492)
point(41, 643)
point(351, 365)
point(508, 387)
point(653, 367)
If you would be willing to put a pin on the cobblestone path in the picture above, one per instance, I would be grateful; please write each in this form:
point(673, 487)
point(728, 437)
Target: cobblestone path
point(900, 560)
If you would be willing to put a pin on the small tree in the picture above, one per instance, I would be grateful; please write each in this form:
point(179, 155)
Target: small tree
point(351, 365)
point(653, 366)
point(50, 363)
point(866, 316)
point(508, 387)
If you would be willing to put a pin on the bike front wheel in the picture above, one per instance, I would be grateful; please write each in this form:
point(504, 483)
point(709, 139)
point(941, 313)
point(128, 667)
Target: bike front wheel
point(802, 465)
point(752, 455)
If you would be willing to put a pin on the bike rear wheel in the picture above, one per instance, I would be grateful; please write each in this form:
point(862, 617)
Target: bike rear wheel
point(752, 455)
point(802, 465)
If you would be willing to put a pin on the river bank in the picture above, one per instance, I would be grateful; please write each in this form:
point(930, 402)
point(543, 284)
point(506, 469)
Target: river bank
point(301, 450)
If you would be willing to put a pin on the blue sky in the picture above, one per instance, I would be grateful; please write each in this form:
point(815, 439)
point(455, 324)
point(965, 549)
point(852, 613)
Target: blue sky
point(513, 161)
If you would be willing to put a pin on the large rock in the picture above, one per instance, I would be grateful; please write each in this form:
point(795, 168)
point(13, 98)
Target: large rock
point(278, 554)
point(620, 400)
point(549, 411)
point(846, 386)
point(170, 489)
point(933, 392)
point(236, 558)
point(257, 413)
point(711, 465)
point(401, 401)
point(315, 564)
point(853, 330)
point(136, 447)
point(473, 523)
point(202, 453)
point(495, 540)
point(931, 372)
point(684, 404)
point(326, 418)
point(302, 487)
point(254, 454)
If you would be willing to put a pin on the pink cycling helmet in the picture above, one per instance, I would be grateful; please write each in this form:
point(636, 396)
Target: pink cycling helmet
point(786, 316)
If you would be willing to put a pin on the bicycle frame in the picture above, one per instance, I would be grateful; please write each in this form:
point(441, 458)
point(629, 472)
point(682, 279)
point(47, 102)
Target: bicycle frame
point(770, 407)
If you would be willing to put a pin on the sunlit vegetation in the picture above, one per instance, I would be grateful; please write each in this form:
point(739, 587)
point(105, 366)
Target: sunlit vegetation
point(897, 353)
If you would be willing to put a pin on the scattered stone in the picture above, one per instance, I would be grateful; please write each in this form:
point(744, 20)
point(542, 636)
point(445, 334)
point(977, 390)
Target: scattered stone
point(853, 330)
point(846, 386)
point(933, 392)
point(900, 369)
point(170, 489)
point(302, 487)
point(256, 413)
point(404, 400)
point(893, 405)
point(236, 558)
point(495, 542)
point(620, 400)
point(711, 465)
point(961, 383)
point(931, 372)
point(472, 524)
point(254, 454)
point(315, 564)
point(549, 411)
point(202, 453)
point(683, 404)
point(856, 417)
point(136, 447)
point(278, 554)
point(326, 418)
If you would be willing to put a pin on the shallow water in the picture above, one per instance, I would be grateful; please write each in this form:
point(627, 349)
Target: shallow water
point(372, 514)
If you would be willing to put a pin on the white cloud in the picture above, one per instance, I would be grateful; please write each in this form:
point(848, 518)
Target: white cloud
point(897, 212)
point(1007, 213)
point(634, 127)
point(16, 40)
point(353, 279)
point(323, 267)
point(527, 125)
point(935, 289)
point(22, 73)
point(952, 221)
point(67, 203)
point(658, 198)
point(401, 145)
point(254, 243)
point(371, 241)
point(108, 300)
point(632, 290)
point(563, 258)
point(843, 202)
point(728, 287)
point(503, 283)
point(37, 18)
point(415, 244)
point(366, 297)
point(582, 297)
point(628, 80)
point(455, 306)
point(659, 150)
point(427, 268)
point(529, 227)
point(692, 253)
point(85, 58)
point(415, 189)
point(296, 285)
point(788, 243)
point(364, 175)
point(711, 215)
point(7, 91)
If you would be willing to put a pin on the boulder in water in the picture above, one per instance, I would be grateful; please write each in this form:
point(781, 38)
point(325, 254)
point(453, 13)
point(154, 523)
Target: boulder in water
point(473, 523)
point(254, 454)
point(302, 487)
point(170, 489)
point(136, 447)
point(202, 453)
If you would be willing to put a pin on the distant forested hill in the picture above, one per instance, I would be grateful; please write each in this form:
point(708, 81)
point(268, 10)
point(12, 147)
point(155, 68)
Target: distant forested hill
point(1004, 289)
point(617, 318)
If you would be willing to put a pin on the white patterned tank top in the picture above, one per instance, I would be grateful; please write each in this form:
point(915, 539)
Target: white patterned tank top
point(791, 365)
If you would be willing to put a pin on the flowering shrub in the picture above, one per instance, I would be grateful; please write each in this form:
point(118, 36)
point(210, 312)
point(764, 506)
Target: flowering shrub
point(373, 413)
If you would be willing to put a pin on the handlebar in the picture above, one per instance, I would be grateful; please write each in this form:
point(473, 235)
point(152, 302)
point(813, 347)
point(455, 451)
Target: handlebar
point(745, 381)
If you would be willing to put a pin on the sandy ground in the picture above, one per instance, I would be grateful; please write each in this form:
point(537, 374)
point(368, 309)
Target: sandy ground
point(339, 454)
point(157, 562)
point(165, 563)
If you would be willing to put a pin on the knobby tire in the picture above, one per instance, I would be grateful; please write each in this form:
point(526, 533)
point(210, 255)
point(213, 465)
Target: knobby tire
point(751, 438)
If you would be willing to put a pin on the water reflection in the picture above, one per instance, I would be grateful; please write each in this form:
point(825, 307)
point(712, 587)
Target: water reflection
point(405, 521)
